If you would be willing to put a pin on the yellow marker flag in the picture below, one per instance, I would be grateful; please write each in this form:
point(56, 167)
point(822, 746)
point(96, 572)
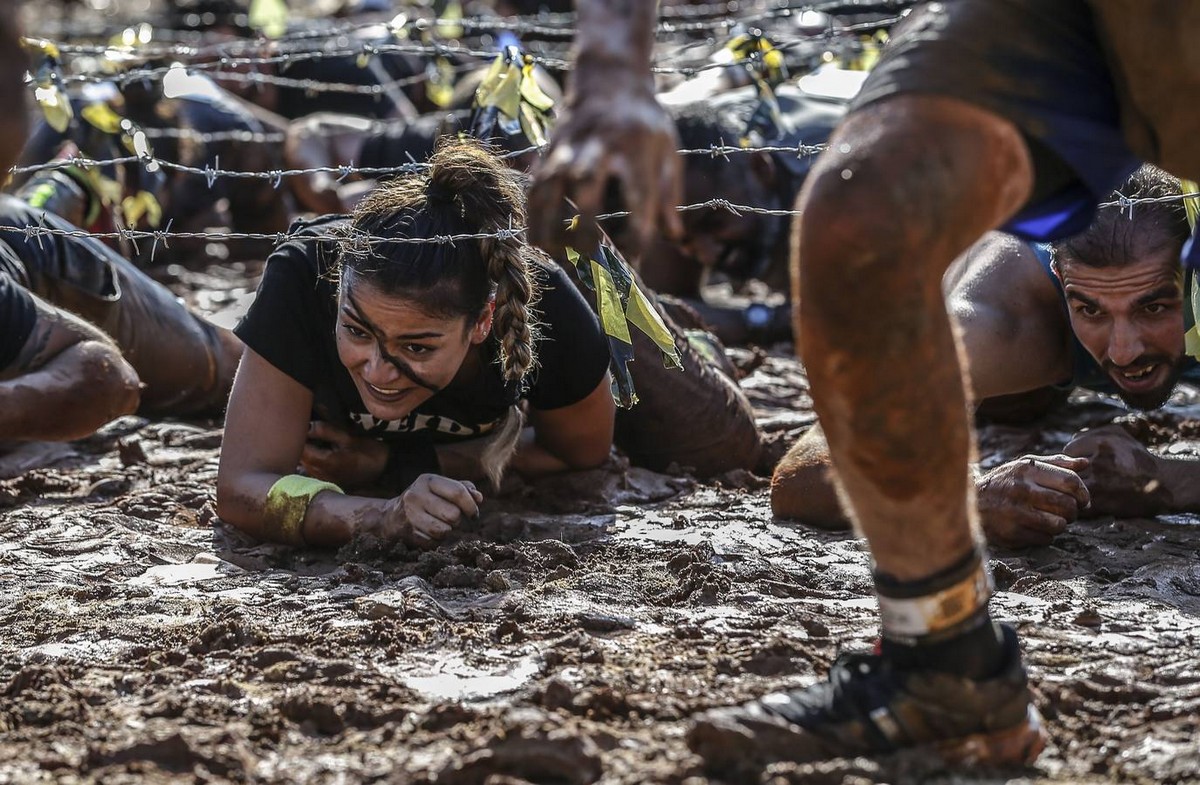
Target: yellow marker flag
point(142, 205)
point(531, 91)
point(643, 316)
point(1191, 339)
point(102, 117)
point(270, 16)
point(608, 303)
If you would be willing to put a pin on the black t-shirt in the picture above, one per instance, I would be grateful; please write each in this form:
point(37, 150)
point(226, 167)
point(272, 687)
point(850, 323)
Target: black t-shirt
point(17, 316)
point(292, 321)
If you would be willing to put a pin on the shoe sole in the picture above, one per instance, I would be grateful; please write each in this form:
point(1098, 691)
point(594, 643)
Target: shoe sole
point(1019, 745)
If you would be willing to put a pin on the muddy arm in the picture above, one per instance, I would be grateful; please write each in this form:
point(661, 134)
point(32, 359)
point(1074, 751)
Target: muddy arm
point(1010, 319)
point(265, 431)
point(266, 427)
point(1128, 481)
point(579, 436)
point(67, 381)
point(1025, 502)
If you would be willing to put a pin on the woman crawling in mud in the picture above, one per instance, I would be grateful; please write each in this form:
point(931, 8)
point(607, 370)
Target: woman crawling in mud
point(386, 366)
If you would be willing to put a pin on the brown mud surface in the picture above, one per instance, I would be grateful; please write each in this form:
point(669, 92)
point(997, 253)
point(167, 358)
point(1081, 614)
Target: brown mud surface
point(566, 637)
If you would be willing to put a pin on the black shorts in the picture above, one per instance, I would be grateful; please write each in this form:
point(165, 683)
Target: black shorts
point(1038, 63)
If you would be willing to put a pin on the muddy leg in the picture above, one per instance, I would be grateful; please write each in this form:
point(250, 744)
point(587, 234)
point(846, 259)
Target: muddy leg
point(905, 187)
point(695, 417)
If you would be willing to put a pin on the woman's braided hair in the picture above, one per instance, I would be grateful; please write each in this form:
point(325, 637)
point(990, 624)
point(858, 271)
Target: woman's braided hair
point(467, 190)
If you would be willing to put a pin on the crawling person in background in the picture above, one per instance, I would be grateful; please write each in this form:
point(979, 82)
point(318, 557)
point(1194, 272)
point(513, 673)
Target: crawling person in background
point(1106, 311)
point(380, 362)
point(60, 377)
point(740, 247)
point(331, 140)
point(188, 120)
point(184, 363)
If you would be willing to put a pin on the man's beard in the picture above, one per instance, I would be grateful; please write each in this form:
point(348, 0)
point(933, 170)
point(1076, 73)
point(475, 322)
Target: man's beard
point(1156, 397)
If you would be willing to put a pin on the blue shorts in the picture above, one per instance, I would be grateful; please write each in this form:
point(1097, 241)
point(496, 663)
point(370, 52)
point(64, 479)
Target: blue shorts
point(1037, 63)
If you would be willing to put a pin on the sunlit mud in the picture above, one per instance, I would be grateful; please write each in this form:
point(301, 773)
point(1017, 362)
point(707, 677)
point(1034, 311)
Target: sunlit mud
point(565, 637)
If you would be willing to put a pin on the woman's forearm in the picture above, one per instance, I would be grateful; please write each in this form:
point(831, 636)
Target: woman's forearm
point(331, 519)
point(532, 461)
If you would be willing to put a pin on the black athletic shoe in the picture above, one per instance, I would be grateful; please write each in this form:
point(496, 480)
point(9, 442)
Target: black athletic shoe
point(866, 708)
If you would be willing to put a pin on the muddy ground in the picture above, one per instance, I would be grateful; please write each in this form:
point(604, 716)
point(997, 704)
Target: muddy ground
point(566, 637)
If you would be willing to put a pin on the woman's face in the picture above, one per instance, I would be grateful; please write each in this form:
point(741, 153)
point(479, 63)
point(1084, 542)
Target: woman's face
point(398, 354)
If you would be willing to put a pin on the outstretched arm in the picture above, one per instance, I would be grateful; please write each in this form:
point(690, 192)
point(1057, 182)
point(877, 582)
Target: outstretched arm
point(266, 427)
point(68, 380)
point(1022, 503)
point(1129, 481)
point(613, 128)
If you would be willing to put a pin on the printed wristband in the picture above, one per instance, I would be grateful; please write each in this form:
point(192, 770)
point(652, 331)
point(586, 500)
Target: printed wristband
point(287, 504)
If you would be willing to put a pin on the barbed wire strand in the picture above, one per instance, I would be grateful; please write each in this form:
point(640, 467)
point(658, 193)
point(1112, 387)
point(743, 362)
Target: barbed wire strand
point(218, 68)
point(214, 172)
point(724, 15)
point(164, 236)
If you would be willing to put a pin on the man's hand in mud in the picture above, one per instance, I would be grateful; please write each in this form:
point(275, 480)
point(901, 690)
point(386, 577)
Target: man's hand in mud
point(1031, 500)
point(429, 509)
point(608, 133)
point(1123, 476)
point(335, 455)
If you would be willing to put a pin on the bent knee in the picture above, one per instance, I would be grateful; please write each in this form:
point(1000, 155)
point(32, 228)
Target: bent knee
point(911, 179)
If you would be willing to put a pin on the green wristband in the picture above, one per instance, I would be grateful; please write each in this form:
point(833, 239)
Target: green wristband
point(287, 504)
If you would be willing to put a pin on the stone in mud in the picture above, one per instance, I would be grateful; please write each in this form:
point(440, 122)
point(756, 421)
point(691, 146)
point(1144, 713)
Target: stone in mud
point(594, 621)
point(323, 716)
point(497, 581)
point(131, 451)
point(562, 755)
point(557, 694)
point(458, 576)
point(547, 555)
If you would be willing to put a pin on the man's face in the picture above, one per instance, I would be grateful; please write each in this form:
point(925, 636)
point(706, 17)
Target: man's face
point(1130, 319)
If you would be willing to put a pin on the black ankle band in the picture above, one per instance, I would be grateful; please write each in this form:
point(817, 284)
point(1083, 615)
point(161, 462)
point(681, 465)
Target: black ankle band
point(889, 586)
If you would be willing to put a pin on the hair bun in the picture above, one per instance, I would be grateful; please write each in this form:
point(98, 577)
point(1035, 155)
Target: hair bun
point(437, 192)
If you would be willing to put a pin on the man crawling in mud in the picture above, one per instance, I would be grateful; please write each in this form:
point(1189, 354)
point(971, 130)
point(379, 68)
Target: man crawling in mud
point(1105, 310)
point(980, 114)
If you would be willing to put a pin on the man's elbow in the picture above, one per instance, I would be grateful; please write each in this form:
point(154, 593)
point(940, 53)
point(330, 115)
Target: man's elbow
point(806, 492)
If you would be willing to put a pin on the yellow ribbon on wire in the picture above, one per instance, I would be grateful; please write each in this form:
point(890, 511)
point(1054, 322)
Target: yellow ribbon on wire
point(510, 87)
point(1191, 339)
point(618, 311)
